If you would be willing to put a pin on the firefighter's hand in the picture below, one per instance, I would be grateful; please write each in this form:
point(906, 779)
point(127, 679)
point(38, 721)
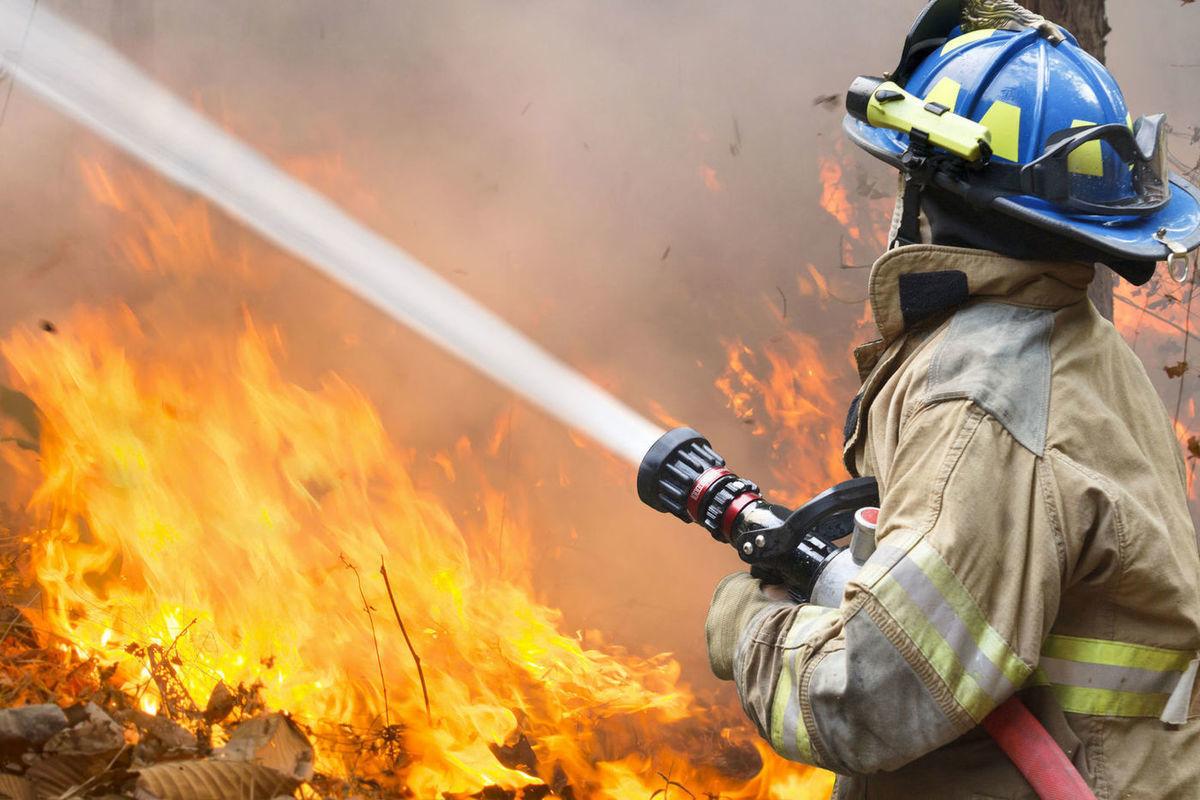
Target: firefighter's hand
point(737, 601)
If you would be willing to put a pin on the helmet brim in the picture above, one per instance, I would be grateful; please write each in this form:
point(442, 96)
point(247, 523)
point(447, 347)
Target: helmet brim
point(1128, 238)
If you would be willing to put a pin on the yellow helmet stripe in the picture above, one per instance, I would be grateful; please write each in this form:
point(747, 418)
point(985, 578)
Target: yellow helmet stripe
point(1004, 121)
point(966, 39)
point(945, 92)
point(1087, 159)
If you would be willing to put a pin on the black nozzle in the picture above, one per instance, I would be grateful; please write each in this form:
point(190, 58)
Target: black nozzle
point(671, 468)
point(682, 475)
point(858, 96)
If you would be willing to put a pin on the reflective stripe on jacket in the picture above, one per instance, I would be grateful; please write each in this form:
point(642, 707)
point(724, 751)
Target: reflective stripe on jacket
point(1034, 537)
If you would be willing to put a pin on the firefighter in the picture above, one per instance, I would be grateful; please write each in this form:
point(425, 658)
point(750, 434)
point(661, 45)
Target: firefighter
point(1034, 536)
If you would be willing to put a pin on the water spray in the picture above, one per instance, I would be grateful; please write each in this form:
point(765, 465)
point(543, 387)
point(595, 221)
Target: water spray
point(96, 86)
point(680, 473)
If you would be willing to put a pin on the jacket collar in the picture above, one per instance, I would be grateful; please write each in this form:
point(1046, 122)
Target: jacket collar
point(911, 284)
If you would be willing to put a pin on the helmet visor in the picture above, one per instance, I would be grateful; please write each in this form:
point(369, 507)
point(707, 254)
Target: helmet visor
point(1104, 169)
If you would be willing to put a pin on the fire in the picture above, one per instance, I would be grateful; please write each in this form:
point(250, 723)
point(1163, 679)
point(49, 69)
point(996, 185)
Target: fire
point(201, 520)
point(788, 390)
point(834, 198)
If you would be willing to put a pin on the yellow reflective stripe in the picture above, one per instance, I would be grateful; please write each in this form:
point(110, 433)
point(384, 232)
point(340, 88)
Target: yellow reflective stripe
point(937, 652)
point(784, 688)
point(1102, 702)
point(1004, 121)
point(1116, 654)
point(1082, 667)
point(989, 640)
point(804, 623)
point(966, 39)
point(1087, 159)
point(787, 732)
point(969, 655)
point(945, 92)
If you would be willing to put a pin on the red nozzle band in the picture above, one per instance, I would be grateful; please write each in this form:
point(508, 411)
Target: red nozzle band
point(700, 489)
point(734, 511)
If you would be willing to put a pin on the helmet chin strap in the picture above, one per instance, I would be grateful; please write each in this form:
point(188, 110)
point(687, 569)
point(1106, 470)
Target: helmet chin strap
point(908, 226)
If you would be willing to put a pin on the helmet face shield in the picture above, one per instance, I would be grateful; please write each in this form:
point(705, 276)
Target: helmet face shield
point(1103, 169)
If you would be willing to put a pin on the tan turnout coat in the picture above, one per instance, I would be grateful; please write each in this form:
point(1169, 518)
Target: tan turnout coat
point(1034, 538)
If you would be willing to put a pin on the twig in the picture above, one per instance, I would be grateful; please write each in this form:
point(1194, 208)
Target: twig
point(75, 791)
point(416, 658)
point(178, 636)
point(669, 783)
point(374, 639)
point(782, 297)
point(1187, 338)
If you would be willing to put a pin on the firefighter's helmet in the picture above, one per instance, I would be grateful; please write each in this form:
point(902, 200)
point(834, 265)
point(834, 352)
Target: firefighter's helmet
point(1060, 150)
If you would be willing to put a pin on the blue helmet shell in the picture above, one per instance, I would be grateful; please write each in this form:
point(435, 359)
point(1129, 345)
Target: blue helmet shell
point(1025, 89)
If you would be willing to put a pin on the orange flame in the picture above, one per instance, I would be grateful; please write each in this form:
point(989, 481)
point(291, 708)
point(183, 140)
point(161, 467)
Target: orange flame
point(797, 393)
point(834, 198)
point(200, 501)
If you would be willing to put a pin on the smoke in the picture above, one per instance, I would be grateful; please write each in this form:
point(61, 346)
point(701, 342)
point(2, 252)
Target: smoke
point(631, 184)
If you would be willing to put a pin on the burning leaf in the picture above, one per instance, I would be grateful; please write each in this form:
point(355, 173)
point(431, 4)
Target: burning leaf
point(518, 755)
point(210, 779)
point(220, 704)
point(177, 702)
point(1177, 370)
point(272, 741)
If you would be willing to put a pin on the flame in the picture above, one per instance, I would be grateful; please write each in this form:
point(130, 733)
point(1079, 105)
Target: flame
point(788, 383)
point(834, 198)
point(193, 502)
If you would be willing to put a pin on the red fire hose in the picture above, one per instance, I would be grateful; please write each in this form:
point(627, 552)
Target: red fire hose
point(1034, 752)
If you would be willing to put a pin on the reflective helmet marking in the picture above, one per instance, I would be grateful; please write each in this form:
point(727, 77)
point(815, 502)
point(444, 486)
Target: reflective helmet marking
point(945, 93)
point(1004, 121)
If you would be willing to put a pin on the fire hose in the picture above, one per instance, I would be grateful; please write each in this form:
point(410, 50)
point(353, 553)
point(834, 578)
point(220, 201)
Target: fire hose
point(814, 551)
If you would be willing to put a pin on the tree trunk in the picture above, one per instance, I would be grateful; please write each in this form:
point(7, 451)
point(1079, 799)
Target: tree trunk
point(1088, 22)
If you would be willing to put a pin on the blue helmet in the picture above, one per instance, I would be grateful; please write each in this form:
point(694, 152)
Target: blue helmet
point(1064, 154)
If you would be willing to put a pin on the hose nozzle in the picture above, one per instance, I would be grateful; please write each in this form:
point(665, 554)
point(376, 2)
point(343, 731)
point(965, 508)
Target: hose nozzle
point(684, 476)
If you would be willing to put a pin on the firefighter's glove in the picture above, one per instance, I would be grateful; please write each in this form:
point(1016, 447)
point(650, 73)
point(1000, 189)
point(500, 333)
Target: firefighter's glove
point(737, 601)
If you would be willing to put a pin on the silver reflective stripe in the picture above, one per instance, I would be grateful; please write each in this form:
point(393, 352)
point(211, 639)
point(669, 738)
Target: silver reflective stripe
point(953, 630)
point(1106, 676)
point(1180, 702)
point(881, 561)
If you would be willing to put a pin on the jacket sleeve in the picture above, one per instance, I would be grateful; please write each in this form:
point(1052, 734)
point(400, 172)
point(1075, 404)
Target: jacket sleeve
point(942, 624)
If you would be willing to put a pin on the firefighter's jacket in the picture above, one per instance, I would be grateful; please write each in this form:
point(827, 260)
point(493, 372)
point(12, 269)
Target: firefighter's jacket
point(1034, 538)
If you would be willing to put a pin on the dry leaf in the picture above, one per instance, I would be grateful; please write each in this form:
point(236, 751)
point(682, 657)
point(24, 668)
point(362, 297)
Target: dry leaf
point(159, 738)
point(95, 734)
point(28, 727)
point(14, 787)
point(273, 741)
point(210, 779)
point(1193, 446)
point(1177, 370)
point(54, 776)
